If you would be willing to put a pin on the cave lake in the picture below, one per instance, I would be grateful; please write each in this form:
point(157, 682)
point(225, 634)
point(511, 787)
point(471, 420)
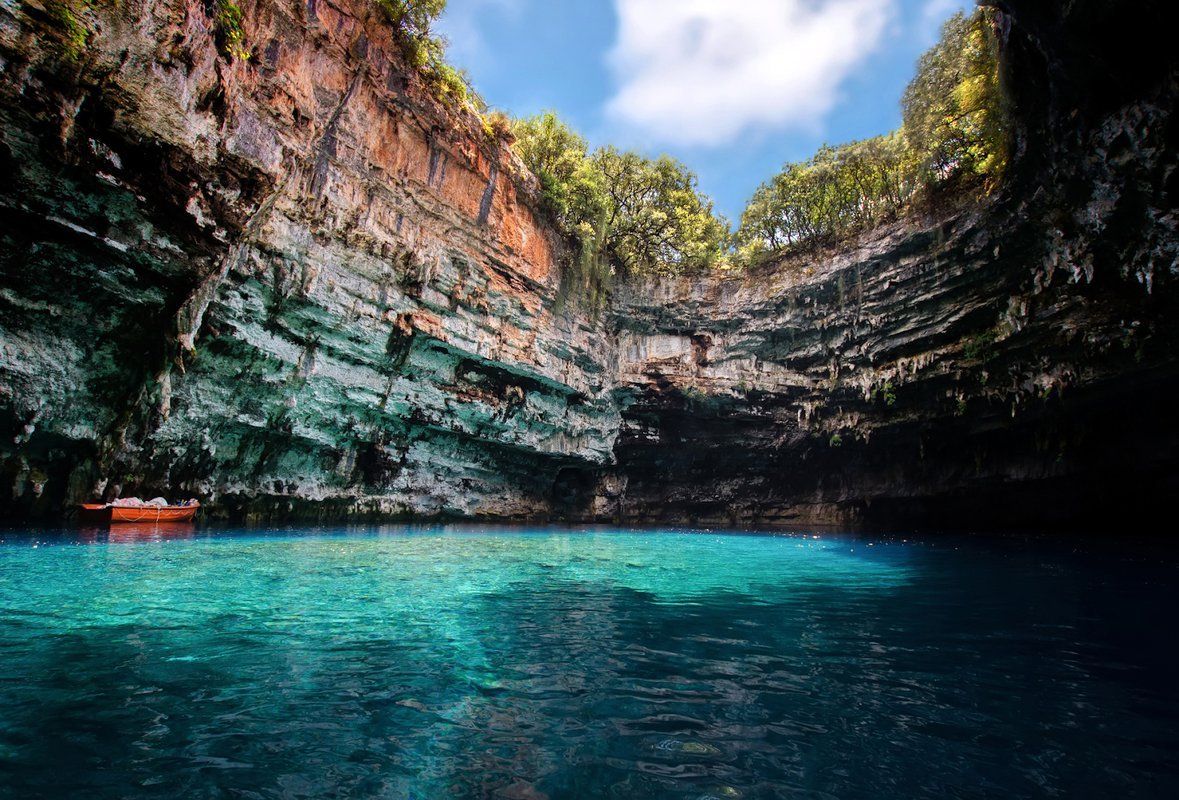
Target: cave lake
point(438, 661)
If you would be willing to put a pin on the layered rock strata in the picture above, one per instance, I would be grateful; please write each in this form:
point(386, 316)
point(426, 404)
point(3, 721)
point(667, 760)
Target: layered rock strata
point(1009, 364)
point(293, 285)
point(298, 286)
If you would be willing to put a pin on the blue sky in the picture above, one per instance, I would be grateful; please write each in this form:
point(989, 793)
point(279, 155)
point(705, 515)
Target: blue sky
point(733, 90)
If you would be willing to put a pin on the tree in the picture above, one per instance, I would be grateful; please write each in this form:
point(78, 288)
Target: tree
point(954, 135)
point(656, 219)
point(838, 190)
point(954, 115)
point(571, 192)
point(879, 177)
point(557, 156)
point(630, 215)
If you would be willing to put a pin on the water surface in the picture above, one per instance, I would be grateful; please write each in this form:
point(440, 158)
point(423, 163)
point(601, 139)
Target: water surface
point(434, 662)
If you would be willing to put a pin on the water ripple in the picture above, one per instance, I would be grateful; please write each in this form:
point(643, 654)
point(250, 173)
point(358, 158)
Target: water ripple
point(554, 665)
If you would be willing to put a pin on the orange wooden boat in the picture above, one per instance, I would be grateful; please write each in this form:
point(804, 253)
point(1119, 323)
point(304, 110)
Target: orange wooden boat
point(105, 512)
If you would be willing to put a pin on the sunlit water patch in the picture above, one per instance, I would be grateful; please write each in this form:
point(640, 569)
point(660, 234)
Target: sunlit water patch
point(433, 663)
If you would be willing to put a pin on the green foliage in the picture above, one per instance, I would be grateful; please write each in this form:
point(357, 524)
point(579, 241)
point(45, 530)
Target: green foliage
point(496, 125)
point(954, 113)
point(629, 215)
point(452, 85)
point(888, 394)
point(413, 20)
point(67, 16)
point(588, 279)
point(840, 189)
point(955, 135)
point(980, 347)
point(657, 220)
point(571, 188)
point(836, 441)
point(572, 194)
point(228, 32)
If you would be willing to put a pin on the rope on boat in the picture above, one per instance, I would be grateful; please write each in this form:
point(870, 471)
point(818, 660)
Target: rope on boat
point(141, 517)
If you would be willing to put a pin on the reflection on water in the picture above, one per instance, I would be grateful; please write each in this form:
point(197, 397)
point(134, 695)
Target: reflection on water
point(535, 664)
point(130, 532)
point(126, 532)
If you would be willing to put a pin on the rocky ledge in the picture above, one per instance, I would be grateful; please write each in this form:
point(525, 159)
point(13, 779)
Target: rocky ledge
point(297, 286)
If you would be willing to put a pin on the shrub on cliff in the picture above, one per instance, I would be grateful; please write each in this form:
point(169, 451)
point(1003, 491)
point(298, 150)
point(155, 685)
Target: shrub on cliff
point(629, 215)
point(954, 113)
point(227, 29)
point(414, 20)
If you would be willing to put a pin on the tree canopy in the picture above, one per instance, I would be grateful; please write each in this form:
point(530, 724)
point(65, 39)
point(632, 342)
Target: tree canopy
point(954, 138)
point(631, 215)
point(954, 114)
point(558, 156)
point(839, 189)
point(656, 218)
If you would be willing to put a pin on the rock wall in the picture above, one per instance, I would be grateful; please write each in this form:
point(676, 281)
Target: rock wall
point(964, 373)
point(291, 286)
point(299, 287)
point(1008, 364)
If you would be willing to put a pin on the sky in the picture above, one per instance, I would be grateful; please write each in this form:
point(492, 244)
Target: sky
point(733, 90)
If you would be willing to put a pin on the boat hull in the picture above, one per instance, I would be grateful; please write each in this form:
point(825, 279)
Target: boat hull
point(91, 512)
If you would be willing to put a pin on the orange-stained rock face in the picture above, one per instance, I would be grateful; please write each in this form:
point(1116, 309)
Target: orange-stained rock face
point(360, 291)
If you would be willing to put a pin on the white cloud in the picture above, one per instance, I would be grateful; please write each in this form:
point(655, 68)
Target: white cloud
point(699, 72)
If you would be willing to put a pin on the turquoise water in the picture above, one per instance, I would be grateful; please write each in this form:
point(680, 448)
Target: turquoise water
point(435, 663)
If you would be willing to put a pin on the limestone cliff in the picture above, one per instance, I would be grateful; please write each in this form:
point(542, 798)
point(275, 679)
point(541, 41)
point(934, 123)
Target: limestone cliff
point(1009, 364)
point(298, 286)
